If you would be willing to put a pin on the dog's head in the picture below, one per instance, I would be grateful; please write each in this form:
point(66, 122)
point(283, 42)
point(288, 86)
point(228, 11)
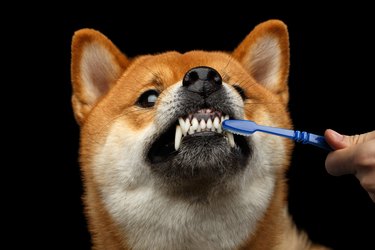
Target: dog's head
point(155, 120)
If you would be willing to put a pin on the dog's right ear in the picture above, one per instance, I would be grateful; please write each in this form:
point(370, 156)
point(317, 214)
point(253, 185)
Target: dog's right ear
point(96, 66)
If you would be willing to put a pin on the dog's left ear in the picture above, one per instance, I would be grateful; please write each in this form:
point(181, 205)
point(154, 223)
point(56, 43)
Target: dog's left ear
point(265, 55)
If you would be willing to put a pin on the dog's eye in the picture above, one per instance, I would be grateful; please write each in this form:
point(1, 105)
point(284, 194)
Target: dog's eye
point(148, 98)
point(240, 91)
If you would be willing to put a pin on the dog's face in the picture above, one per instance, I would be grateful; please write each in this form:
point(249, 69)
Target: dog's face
point(151, 137)
point(152, 124)
point(181, 111)
point(159, 116)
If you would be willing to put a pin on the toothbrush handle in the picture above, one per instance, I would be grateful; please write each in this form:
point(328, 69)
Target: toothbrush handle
point(313, 139)
point(298, 136)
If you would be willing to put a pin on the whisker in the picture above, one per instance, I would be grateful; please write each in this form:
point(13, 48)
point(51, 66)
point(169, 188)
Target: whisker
point(224, 69)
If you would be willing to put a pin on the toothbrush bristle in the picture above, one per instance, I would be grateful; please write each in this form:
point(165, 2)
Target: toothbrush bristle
point(239, 127)
point(235, 131)
point(238, 133)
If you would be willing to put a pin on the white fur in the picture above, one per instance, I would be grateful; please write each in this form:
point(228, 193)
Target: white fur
point(154, 220)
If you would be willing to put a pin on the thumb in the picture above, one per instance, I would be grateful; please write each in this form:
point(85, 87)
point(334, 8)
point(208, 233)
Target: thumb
point(339, 141)
point(340, 161)
point(336, 140)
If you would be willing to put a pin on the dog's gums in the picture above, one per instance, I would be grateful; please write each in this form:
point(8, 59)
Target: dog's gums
point(203, 120)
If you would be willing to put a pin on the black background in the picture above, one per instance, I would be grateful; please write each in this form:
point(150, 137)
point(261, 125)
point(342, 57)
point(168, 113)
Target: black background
point(331, 81)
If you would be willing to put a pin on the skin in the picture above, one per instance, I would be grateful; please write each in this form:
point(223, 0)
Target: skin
point(353, 155)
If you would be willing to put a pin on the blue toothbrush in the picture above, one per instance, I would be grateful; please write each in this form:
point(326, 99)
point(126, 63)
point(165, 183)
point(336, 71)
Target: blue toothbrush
point(247, 127)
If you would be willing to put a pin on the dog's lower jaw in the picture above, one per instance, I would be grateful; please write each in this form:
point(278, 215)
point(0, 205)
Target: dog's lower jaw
point(204, 158)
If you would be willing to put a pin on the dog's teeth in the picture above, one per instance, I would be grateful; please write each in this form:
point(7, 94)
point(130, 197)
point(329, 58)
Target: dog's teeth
point(178, 137)
point(191, 124)
point(187, 124)
point(181, 122)
point(191, 130)
point(194, 123)
point(209, 123)
point(202, 124)
point(182, 125)
point(230, 139)
point(217, 125)
point(199, 129)
point(216, 122)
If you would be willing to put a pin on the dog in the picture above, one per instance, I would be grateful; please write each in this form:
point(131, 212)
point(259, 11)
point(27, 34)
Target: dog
point(158, 170)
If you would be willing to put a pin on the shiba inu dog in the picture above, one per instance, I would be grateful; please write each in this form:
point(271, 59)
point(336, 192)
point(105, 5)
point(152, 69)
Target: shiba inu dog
point(158, 170)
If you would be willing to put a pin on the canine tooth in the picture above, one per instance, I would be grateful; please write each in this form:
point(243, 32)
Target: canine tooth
point(226, 117)
point(209, 123)
point(194, 123)
point(222, 119)
point(230, 139)
point(202, 124)
point(178, 137)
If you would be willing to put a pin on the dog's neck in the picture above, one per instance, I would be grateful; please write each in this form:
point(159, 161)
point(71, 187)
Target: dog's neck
point(149, 218)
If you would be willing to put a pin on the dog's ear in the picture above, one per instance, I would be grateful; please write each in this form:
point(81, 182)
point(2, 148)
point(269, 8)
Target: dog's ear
point(96, 66)
point(265, 55)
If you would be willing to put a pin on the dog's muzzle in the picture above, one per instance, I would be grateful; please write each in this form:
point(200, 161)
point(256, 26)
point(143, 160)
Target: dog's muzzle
point(194, 145)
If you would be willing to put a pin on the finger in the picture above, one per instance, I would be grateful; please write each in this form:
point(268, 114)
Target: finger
point(366, 177)
point(335, 140)
point(369, 136)
point(357, 139)
point(339, 141)
point(339, 162)
point(357, 159)
point(365, 161)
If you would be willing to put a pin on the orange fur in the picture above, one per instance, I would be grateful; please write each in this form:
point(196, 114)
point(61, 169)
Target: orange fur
point(99, 106)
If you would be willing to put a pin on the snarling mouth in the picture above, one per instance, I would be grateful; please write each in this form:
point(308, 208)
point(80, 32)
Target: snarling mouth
point(197, 129)
point(204, 120)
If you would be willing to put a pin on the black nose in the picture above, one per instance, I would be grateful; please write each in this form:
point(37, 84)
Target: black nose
point(202, 80)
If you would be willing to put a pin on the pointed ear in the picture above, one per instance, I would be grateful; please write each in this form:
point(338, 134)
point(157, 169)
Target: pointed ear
point(265, 55)
point(96, 66)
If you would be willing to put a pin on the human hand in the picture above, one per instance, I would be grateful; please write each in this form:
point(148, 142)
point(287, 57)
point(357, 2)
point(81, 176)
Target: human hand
point(353, 155)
